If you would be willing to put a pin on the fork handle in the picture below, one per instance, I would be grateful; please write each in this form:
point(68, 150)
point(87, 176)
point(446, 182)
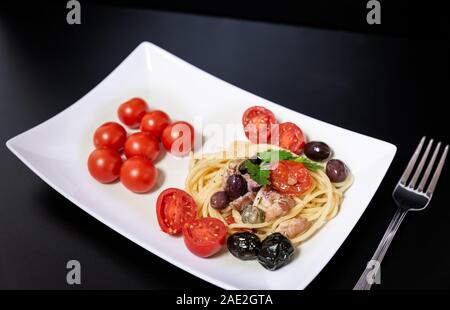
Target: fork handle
point(367, 278)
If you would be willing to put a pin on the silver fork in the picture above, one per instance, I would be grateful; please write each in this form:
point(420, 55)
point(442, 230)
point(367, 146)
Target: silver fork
point(408, 197)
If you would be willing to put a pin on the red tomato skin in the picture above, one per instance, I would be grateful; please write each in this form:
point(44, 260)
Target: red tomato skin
point(257, 122)
point(160, 209)
point(110, 134)
point(132, 111)
point(204, 250)
point(290, 137)
point(142, 144)
point(155, 122)
point(104, 165)
point(230, 220)
point(138, 174)
point(284, 170)
point(175, 142)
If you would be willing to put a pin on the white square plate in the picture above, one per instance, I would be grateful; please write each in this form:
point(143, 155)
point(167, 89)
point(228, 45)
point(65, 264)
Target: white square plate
point(57, 150)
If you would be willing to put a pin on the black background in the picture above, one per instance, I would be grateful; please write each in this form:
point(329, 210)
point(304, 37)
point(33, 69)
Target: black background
point(389, 82)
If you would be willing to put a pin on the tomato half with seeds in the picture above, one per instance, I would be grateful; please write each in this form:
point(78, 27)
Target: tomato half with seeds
point(290, 137)
point(175, 208)
point(257, 122)
point(290, 177)
point(205, 237)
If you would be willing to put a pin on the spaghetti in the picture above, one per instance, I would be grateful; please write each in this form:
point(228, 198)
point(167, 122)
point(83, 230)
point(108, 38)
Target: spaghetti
point(319, 204)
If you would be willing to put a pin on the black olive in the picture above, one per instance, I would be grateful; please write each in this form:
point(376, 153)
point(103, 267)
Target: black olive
point(219, 200)
point(336, 170)
point(244, 245)
point(242, 168)
point(236, 186)
point(318, 151)
point(254, 160)
point(276, 251)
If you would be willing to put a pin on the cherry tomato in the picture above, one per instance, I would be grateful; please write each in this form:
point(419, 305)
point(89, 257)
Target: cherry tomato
point(142, 144)
point(154, 122)
point(104, 165)
point(205, 236)
point(290, 177)
point(174, 208)
point(289, 137)
point(111, 135)
point(132, 111)
point(138, 174)
point(257, 123)
point(178, 138)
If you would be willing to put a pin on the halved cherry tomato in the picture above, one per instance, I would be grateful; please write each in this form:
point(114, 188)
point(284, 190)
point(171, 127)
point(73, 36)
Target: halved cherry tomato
point(138, 174)
point(154, 122)
point(142, 144)
point(178, 138)
point(174, 208)
point(132, 111)
point(257, 123)
point(290, 137)
point(104, 165)
point(110, 134)
point(290, 177)
point(205, 236)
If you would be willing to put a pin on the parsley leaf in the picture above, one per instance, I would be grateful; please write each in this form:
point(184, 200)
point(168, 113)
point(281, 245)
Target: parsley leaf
point(271, 156)
point(258, 174)
point(310, 165)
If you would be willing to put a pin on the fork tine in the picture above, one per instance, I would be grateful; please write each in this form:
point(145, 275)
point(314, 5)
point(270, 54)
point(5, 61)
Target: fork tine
point(427, 173)
point(437, 173)
point(419, 168)
point(411, 163)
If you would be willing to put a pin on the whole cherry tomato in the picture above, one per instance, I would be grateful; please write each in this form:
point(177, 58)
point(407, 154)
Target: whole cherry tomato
point(142, 144)
point(178, 138)
point(111, 135)
point(104, 165)
point(132, 111)
point(154, 122)
point(138, 174)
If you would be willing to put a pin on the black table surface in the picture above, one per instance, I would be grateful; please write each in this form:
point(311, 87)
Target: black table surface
point(389, 88)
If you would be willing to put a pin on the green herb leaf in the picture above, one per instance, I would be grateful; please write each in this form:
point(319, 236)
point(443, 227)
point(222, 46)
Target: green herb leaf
point(276, 155)
point(258, 174)
point(310, 165)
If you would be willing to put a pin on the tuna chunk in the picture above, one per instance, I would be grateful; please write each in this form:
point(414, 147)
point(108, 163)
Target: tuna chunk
point(293, 227)
point(243, 201)
point(273, 203)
